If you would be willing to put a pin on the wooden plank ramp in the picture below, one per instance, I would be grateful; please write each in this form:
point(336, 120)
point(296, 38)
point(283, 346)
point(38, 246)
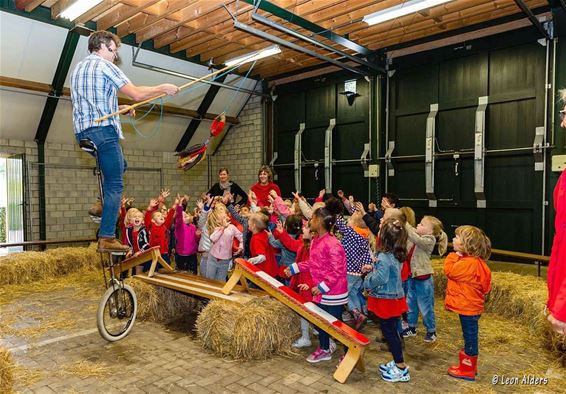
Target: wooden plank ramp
point(199, 286)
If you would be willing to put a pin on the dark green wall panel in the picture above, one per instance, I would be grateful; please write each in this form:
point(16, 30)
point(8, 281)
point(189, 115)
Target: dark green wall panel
point(462, 80)
point(348, 140)
point(289, 111)
point(320, 105)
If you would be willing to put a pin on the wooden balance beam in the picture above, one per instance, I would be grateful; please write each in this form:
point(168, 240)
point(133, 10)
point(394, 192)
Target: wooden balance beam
point(199, 286)
point(355, 341)
point(152, 254)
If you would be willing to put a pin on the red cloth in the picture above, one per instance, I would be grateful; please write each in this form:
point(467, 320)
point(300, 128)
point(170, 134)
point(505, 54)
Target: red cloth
point(159, 235)
point(387, 308)
point(557, 266)
point(406, 267)
point(135, 243)
point(259, 244)
point(216, 127)
point(262, 192)
point(302, 277)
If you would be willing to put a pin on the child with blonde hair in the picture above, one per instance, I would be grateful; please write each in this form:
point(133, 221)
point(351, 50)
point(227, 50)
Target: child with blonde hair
point(420, 295)
point(158, 224)
point(222, 234)
point(137, 236)
point(469, 281)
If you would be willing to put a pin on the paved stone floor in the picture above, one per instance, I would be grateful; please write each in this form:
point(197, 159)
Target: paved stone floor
point(51, 331)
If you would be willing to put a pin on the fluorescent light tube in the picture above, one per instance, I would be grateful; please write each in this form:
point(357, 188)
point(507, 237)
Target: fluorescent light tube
point(397, 11)
point(78, 8)
point(250, 57)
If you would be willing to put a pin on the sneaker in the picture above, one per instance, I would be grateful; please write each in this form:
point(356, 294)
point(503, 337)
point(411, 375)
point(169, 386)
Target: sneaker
point(404, 325)
point(95, 209)
point(315, 332)
point(409, 332)
point(111, 245)
point(430, 337)
point(396, 374)
point(387, 367)
point(332, 346)
point(347, 317)
point(319, 355)
point(302, 342)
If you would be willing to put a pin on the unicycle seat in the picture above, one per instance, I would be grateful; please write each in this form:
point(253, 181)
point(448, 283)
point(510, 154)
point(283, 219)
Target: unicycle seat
point(87, 145)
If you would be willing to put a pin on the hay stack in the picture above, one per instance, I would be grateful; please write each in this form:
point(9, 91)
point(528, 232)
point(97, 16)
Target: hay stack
point(256, 330)
point(159, 304)
point(26, 267)
point(6, 371)
point(520, 298)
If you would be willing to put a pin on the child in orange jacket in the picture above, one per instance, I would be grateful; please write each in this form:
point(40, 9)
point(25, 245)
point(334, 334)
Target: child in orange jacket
point(469, 280)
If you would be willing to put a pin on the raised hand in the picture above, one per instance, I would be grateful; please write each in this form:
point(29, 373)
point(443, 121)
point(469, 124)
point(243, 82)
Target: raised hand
point(296, 195)
point(351, 200)
point(200, 204)
point(360, 208)
point(164, 194)
point(273, 193)
point(288, 274)
point(279, 226)
point(153, 203)
point(340, 194)
point(252, 197)
point(303, 287)
point(321, 193)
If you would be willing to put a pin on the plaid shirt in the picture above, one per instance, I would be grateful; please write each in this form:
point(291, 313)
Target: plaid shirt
point(94, 86)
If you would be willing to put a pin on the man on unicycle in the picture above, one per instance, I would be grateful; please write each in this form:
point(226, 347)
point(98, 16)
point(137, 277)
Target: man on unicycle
point(95, 82)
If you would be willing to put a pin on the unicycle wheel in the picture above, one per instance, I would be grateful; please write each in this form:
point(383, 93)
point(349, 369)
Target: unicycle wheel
point(116, 312)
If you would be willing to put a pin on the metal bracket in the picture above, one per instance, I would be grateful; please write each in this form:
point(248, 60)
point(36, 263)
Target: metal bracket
point(429, 155)
point(273, 159)
point(538, 148)
point(479, 154)
point(298, 157)
point(328, 156)
point(364, 159)
point(388, 154)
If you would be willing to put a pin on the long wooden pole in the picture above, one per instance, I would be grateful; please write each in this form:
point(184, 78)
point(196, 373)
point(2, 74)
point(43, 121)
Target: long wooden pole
point(133, 106)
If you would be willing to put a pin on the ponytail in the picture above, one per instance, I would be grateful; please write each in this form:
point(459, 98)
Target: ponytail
point(442, 242)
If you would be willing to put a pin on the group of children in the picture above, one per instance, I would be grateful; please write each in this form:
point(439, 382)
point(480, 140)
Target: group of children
point(333, 253)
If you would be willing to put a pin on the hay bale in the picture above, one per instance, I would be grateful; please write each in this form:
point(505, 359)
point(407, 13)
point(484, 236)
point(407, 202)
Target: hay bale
point(255, 330)
point(159, 304)
point(26, 267)
point(6, 371)
point(520, 298)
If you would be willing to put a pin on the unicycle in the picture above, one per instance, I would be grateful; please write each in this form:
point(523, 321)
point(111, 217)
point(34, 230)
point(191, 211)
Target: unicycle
point(118, 307)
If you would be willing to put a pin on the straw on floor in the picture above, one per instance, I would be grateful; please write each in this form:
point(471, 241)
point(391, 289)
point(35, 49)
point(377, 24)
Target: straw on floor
point(520, 298)
point(6, 371)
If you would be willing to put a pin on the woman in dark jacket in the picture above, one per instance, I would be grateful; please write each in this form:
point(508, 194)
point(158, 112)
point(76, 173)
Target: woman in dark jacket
point(224, 184)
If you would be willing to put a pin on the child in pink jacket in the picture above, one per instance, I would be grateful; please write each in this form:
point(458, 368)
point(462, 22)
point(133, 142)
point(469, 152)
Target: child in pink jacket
point(220, 255)
point(327, 266)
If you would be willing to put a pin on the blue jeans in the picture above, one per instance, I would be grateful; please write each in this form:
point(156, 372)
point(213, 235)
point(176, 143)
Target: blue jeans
point(112, 166)
point(470, 330)
point(420, 298)
point(217, 269)
point(323, 337)
point(356, 298)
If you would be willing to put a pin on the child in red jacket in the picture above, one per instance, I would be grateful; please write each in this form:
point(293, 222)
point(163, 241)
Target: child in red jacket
point(262, 253)
point(159, 225)
point(469, 280)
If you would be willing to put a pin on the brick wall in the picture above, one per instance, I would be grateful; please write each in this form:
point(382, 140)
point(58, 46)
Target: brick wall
point(71, 188)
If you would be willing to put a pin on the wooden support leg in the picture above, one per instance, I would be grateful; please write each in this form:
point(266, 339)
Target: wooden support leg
point(350, 361)
point(233, 281)
point(153, 266)
point(164, 264)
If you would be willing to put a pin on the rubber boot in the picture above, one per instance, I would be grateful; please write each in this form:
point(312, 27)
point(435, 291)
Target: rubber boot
point(466, 369)
point(461, 356)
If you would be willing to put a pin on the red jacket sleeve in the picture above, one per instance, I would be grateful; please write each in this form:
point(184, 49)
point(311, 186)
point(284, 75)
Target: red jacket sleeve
point(289, 243)
point(147, 217)
point(169, 218)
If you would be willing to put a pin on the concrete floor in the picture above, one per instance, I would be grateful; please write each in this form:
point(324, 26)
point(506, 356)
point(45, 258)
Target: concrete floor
point(53, 336)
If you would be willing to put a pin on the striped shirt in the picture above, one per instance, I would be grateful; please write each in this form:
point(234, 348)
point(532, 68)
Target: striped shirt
point(94, 86)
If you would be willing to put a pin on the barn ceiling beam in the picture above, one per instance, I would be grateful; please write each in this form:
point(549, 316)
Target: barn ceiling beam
point(308, 25)
point(298, 48)
point(527, 11)
point(46, 90)
point(315, 42)
point(203, 107)
point(57, 85)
